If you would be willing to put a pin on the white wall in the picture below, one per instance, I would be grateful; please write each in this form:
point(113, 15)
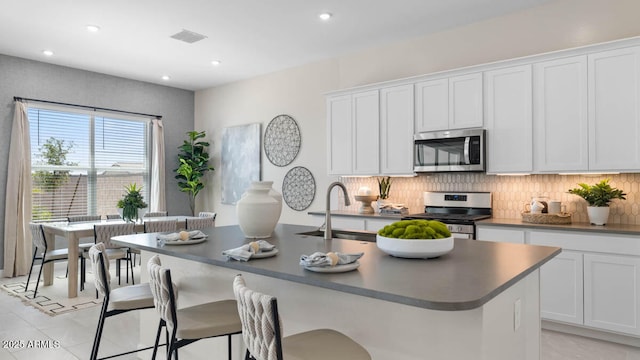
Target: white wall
point(299, 91)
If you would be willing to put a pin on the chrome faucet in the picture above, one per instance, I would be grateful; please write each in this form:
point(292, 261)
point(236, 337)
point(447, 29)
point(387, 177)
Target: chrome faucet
point(327, 218)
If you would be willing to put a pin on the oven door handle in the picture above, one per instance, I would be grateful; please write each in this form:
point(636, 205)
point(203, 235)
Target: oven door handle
point(467, 142)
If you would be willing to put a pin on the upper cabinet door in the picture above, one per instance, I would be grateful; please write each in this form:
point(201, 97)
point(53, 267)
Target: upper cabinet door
point(465, 101)
point(366, 126)
point(614, 118)
point(339, 135)
point(396, 130)
point(509, 120)
point(560, 115)
point(432, 105)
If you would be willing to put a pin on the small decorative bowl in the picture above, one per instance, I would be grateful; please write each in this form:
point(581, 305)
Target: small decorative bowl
point(415, 248)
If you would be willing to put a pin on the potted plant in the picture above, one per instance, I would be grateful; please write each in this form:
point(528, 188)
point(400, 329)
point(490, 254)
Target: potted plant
point(131, 202)
point(193, 164)
point(598, 197)
point(384, 186)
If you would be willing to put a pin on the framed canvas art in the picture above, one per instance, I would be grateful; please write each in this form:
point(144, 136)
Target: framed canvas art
point(240, 160)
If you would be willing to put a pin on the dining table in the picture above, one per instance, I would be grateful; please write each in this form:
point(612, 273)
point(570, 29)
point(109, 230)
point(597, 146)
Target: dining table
point(75, 231)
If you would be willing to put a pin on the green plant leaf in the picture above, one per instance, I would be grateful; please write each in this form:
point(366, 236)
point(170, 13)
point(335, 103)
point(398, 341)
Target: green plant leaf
point(193, 161)
point(599, 194)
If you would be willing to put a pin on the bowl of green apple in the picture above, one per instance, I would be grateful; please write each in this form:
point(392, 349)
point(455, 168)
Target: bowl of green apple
point(420, 239)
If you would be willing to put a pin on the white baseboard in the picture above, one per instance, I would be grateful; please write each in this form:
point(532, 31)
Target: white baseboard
point(591, 333)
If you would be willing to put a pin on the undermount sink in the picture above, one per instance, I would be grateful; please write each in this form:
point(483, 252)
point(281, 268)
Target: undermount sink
point(344, 234)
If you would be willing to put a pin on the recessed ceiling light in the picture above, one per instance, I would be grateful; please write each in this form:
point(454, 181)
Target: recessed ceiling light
point(93, 28)
point(216, 62)
point(166, 77)
point(47, 52)
point(325, 16)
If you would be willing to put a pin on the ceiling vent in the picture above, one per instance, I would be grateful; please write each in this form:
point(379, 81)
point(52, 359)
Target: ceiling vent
point(188, 36)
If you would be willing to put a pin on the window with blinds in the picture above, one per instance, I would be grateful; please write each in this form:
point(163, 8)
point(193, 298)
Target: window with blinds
point(81, 161)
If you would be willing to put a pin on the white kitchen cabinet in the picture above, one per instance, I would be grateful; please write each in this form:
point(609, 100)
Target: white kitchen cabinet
point(614, 110)
point(347, 223)
point(353, 134)
point(354, 223)
point(366, 127)
point(396, 130)
point(377, 224)
point(339, 135)
point(449, 103)
point(561, 288)
point(594, 282)
point(508, 106)
point(465, 101)
point(612, 292)
point(432, 105)
point(500, 234)
point(560, 115)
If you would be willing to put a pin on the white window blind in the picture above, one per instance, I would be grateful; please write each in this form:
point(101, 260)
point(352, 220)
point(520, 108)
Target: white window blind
point(81, 161)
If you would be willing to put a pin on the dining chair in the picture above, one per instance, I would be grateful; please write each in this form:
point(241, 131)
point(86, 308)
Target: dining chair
point(103, 234)
point(207, 214)
point(83, 247)
point(262, 332)
point(116, 301)
point(197, 223)
point(160, 226)
point(189, 324)
point(41, 252)
point(155, 214)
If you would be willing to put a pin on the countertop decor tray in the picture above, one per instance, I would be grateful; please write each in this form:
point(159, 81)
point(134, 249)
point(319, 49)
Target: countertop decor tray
point(556, 219)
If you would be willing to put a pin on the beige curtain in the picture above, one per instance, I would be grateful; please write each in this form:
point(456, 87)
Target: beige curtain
point(157, 201)
point(17, 212)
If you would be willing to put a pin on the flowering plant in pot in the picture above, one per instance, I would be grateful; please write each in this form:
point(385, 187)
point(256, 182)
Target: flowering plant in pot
point(598, 197)
point(131, 202)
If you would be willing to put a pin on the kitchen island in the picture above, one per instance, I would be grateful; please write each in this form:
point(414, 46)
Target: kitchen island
point(478, 302)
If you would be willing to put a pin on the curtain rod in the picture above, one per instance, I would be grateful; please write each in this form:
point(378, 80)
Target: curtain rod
point(94, 108)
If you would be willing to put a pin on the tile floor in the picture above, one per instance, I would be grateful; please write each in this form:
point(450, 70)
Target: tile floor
point(74, 334)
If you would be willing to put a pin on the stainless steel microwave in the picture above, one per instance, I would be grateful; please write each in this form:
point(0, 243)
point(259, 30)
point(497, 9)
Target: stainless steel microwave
point(449, 151)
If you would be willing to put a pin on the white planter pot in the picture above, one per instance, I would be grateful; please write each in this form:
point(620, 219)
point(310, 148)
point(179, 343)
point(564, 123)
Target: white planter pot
point(141, 213)
point(257, 211)
point(598, 215)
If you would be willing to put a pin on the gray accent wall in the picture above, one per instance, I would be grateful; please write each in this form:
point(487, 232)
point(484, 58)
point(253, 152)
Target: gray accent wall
point(37, 80)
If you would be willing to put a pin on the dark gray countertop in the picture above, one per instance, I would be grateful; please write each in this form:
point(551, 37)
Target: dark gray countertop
point(466, 278)
point(623, 229)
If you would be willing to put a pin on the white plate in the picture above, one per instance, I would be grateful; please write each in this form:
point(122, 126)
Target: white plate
point(265, 254)
point(334, 269)
point(186, 242)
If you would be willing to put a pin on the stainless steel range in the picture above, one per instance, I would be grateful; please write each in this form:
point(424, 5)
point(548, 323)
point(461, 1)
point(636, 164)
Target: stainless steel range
point(458, 210)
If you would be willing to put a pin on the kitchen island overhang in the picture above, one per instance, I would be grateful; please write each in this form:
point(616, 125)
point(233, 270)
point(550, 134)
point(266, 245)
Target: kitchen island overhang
point(472, 290)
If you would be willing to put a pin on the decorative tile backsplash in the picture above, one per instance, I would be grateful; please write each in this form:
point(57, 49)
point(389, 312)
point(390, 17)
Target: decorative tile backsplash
point(509, 193)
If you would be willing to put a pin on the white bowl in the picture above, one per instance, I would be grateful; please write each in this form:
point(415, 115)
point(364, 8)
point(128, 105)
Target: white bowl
point(415, 248)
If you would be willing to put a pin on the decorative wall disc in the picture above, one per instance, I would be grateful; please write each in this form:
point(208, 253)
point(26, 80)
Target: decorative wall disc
point(282, 140)
point(298, 188)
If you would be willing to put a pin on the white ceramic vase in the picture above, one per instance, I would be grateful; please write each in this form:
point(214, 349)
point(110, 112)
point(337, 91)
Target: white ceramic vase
point(598, 215)
point(258, 210)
